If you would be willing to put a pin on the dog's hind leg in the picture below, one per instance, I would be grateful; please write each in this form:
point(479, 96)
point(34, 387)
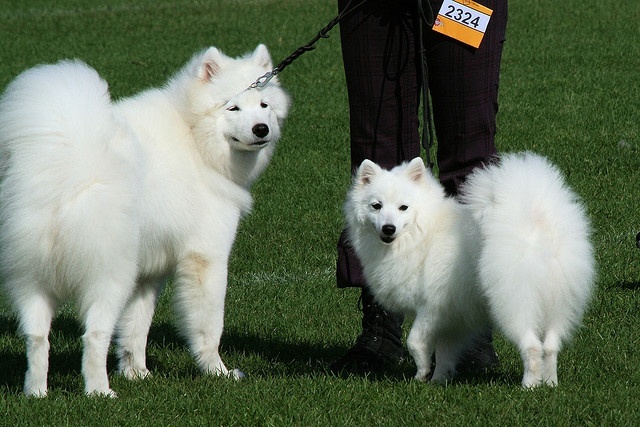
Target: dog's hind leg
point(133, 329)
point(551, 347)
point(448, 354)
point(94, 361)
point(531, 351)
point(35, 323)
point(445, 365)
point(99, 309)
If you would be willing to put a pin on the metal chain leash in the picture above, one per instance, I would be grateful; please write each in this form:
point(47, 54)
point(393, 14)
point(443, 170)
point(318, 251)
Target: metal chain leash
point(322, 34)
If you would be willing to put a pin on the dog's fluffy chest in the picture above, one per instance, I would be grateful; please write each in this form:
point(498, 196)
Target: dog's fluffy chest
point(425, 272)
point(178, 220)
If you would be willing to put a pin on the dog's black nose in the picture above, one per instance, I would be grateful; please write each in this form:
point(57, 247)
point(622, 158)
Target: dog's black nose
point(388, 229)
point(261, 130)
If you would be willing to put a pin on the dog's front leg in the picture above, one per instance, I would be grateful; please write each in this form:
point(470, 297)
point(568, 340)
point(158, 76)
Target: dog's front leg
point(201, 283)
point(420, 344)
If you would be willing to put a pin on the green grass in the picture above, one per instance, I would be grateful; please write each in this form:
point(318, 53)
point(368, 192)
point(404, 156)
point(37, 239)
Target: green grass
point(569, 90)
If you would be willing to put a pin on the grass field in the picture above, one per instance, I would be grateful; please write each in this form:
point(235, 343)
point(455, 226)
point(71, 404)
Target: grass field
point(569, 90)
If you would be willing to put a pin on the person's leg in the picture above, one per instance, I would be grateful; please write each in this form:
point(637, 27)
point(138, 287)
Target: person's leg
point(382, 83)
point(463, 84)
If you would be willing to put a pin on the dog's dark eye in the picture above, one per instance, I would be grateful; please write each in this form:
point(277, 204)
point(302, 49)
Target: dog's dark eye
point(376, 205)
point(233, 108)
point(264, 104)
point(403, 207)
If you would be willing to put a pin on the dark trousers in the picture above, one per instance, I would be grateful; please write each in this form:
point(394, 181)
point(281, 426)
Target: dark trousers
point(380, 51)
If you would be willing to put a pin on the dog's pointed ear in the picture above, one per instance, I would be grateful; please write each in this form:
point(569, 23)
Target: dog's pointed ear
point(416, 170)
point(262, 57)
point(211, 64)
point(366, 172)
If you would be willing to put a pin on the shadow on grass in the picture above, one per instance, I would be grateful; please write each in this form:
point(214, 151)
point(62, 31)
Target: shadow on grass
point(64, 358)
point(274, 356)
point(269, 356)
point(630, 286)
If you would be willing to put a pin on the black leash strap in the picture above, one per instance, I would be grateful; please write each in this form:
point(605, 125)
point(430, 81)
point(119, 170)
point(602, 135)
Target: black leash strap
point(427, 124)
point(322, 34)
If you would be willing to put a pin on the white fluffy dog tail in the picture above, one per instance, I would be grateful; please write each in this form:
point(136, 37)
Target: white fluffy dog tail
point(67, 102)
point(61, 145)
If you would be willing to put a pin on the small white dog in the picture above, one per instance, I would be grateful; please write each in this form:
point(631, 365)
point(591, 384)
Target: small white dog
point(516, 253)
point(100, 201)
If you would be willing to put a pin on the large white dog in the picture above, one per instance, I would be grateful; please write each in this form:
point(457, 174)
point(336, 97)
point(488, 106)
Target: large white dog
point(516, 254)
point(100, 201)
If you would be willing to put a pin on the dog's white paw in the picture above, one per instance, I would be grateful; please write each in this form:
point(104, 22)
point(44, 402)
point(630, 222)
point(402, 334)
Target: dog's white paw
point(422, 375)
point(136, 374)
point(237, 374)
point(103, 393)
point(37, 393)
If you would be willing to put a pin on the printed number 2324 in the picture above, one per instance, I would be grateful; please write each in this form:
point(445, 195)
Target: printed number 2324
point(462, 16)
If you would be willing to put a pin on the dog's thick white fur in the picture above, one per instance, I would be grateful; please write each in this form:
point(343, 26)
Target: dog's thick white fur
point(100, 201)
point(515, 255)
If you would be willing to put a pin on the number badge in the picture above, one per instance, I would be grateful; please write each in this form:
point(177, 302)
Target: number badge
point(463, 20)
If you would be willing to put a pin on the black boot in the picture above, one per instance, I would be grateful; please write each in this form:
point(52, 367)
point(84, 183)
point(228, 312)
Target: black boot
point(378, 346)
